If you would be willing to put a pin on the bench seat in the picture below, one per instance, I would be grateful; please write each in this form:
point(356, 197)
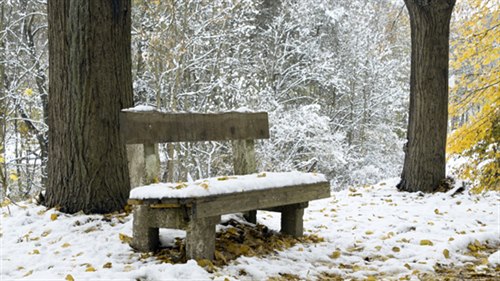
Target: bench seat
point(197, 207)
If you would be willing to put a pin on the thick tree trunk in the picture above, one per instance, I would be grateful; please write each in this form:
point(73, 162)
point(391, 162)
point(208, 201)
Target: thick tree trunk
point(90, 81)
point(424, 165)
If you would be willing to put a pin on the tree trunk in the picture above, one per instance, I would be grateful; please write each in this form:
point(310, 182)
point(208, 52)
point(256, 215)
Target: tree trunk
point(90, 81)
point(424, 164)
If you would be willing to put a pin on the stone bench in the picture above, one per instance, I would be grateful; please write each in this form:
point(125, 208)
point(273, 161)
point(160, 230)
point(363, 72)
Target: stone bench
point(197, 207)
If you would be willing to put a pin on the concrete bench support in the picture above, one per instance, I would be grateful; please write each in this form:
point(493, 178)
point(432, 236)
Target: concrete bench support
point(292, 220)
point(200, 238)
point(145, 236)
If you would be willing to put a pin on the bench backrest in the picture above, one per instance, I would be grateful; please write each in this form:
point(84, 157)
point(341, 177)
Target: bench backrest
point(149, 127)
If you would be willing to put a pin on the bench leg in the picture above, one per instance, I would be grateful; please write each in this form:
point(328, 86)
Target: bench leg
point(200, 238)
point(250, 216)
point(291, 221)
point(145, 238)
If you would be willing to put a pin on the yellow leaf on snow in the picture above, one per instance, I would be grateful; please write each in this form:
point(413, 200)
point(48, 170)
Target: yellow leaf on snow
point(90, 269)
point(107, 265)
point(426, 242)
point(335, 255)
point(446, 253)
point(69, 277)
point(181, 185)
point(53, 217)
point(125, 238)
point(65, 245)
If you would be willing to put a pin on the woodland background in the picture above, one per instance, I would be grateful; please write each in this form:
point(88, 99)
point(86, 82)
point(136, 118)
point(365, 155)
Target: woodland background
point(333, 75)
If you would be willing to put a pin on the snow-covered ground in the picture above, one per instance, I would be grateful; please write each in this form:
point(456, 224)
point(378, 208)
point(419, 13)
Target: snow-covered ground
point(370, 232)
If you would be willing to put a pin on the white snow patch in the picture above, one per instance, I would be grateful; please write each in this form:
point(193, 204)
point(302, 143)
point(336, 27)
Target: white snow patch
point(494, 259)
point(336, 14)
point(226, 184)
point(243, 109)
point(363, 224)
point(140, 108)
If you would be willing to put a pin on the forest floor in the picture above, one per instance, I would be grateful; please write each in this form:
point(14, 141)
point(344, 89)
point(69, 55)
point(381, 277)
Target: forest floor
point(365, 233)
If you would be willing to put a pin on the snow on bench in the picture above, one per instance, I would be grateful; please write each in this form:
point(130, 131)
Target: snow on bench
point(198, 206)
point(225, 184)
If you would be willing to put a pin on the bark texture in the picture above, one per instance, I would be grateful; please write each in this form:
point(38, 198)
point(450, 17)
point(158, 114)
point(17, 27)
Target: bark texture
point(90, 81)
point(424, 164)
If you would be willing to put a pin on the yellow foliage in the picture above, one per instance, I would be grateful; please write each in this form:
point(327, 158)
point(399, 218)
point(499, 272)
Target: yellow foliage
point(13, 177)
point(28, 92)
point(475, 96)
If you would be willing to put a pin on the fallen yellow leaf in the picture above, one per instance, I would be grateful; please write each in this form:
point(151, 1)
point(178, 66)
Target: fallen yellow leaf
point(335, 255)
point(446, 253)
point(125, 238)
point(90, 269)
point(426, 242)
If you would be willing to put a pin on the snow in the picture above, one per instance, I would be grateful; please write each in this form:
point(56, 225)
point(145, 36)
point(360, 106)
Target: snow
point(226, 184)
point(145, 108)
point(494, 259)
point(336, 14)
point(140, 108)
point(244, 109)
point(374, 231)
